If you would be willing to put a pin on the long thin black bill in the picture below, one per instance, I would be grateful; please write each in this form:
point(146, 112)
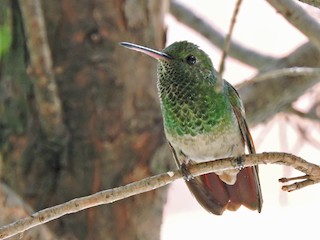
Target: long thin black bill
point(151, 52)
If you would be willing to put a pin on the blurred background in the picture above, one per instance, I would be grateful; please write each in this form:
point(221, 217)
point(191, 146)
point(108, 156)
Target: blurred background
point(80, 114)
point(284, 215)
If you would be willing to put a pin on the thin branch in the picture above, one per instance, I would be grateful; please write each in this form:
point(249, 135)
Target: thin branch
point(46, 93)
point(297, 185)
point(237, 51)
point(299, 18)
point(154, 182)
point(284, 180)
point(226, 46)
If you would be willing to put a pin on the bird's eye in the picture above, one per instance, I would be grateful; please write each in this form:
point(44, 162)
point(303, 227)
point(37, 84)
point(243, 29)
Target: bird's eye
point(191, 60)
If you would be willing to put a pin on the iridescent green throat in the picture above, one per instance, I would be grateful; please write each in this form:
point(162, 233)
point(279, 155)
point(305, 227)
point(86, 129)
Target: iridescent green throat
point(190, 106)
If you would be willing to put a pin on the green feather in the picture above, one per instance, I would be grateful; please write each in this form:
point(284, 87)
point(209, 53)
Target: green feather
point(189, 103)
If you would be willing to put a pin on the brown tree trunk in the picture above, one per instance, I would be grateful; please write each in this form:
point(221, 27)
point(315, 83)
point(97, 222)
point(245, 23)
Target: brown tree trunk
point(111, 116)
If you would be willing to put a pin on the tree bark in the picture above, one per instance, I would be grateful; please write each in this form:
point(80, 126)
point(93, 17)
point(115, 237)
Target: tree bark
point(110, 112)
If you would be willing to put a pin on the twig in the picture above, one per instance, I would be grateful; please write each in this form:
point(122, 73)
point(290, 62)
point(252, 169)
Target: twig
point(284, 180)
point(299, 18)
point(297, 185)
point(151, 183)
point(227, 46)
point(237, 51)
point(78, 204)
point(46, 94)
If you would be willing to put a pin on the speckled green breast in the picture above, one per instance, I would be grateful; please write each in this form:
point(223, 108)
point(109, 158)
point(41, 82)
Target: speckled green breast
point(191, 106)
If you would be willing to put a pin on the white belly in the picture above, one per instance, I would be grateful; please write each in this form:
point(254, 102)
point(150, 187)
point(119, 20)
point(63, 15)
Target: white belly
point(207, 147)
point(210, 146)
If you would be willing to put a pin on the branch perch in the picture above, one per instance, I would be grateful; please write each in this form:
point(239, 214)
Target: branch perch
point(312, 172)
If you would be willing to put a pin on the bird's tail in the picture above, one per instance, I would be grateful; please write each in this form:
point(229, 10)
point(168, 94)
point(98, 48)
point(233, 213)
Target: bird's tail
point(216, 196)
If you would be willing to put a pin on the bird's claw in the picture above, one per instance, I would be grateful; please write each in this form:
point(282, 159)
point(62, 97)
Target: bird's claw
point(187, 176)
point(239, 163)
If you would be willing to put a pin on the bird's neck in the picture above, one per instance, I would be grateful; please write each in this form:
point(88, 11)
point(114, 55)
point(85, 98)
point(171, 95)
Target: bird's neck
point(190, 106)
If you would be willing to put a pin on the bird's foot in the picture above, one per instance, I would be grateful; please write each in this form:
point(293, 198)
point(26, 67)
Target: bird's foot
point(187, 176)
point(239, 163)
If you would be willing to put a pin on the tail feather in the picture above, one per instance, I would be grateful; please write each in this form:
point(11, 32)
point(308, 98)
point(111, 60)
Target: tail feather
point(249, 188)
point(213, 197)
point(216, 196)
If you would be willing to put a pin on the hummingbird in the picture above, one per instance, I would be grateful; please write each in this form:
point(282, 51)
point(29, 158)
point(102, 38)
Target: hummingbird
point(202, 123)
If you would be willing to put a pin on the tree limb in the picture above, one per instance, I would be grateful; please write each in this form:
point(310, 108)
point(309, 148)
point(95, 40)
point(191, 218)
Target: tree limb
point(287, 72)
point(307, 55)
point(237, 51)
point(273, 92)
point(46, 93)
point(312, 172)
point(299, 18)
